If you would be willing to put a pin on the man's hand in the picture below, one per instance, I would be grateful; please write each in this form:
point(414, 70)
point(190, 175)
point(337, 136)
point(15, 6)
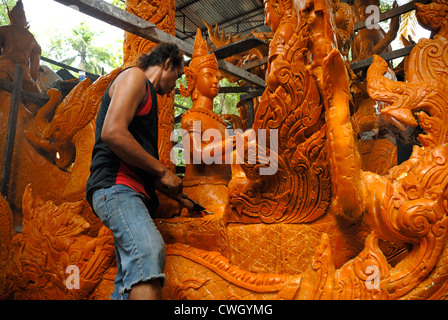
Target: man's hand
point(186, 204)
point(169, 184)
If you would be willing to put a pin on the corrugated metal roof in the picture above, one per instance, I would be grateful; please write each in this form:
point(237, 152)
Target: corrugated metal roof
point(235, 16)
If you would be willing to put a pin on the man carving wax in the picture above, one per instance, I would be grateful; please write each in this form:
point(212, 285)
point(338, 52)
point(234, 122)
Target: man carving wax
point(125, 170)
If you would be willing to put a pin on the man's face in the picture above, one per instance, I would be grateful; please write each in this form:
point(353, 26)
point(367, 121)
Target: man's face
point(169, 78)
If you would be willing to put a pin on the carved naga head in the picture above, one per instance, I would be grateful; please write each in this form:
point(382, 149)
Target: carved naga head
point(432, 16)
point(201, 73)
point(423, 99)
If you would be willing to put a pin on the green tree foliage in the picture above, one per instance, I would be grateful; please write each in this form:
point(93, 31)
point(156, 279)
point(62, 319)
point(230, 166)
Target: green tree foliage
point(77, 50)
point(4, 19)
point(90, 58)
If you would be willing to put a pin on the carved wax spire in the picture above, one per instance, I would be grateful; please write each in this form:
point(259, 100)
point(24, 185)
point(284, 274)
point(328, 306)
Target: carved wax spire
point(17, 15)
point(200, 46)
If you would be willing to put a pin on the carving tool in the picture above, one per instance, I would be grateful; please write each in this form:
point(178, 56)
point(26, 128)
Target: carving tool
point(196, 206)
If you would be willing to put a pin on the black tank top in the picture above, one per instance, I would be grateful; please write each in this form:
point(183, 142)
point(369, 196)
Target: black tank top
point(107, 169)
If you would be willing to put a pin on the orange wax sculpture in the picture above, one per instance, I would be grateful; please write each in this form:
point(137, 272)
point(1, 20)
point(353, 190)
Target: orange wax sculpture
point(204, 183)
point(320, 226)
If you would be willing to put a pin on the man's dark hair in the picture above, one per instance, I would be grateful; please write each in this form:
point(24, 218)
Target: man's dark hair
point(159, 54)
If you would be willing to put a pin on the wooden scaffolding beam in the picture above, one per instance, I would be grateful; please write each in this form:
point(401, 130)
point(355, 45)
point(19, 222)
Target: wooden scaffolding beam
point(131, 23)
point(392, 13)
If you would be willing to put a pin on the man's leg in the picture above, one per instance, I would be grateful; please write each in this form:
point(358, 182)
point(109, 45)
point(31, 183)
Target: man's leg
point(141, 247)
point(150, 290)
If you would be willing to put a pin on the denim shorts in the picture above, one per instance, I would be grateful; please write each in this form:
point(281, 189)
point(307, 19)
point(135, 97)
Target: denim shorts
point(139, 247)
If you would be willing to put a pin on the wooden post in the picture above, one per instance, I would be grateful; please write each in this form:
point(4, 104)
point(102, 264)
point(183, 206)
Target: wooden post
point(11, 130)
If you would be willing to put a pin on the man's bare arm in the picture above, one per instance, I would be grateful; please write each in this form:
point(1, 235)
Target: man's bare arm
point(128, 91)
